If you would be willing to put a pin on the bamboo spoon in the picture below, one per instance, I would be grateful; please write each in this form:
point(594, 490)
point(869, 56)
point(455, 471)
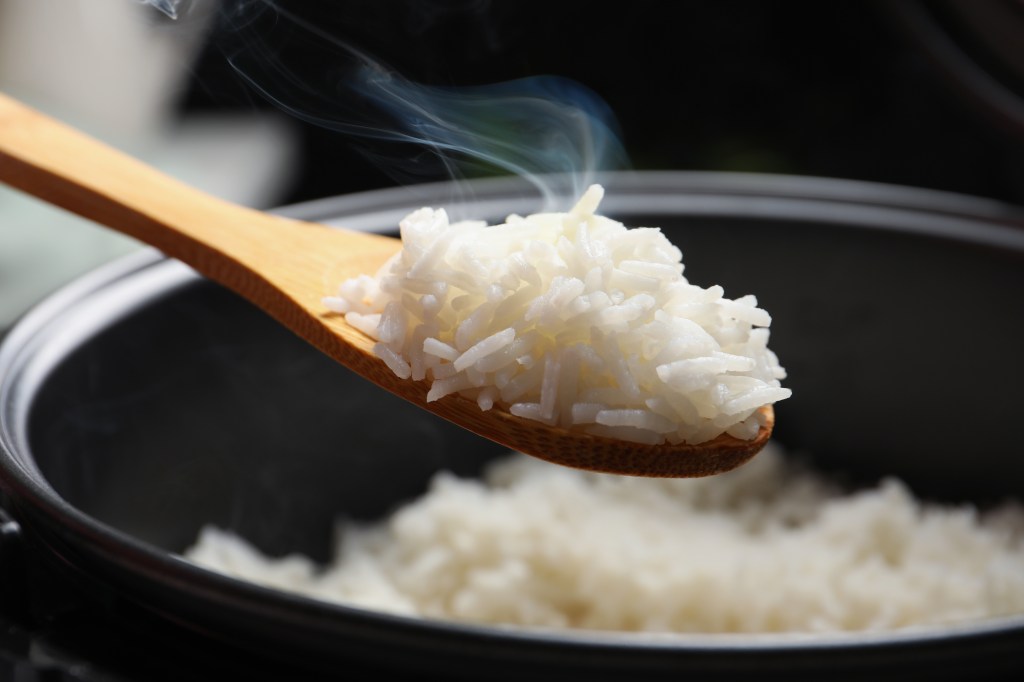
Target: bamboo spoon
point(286, 267)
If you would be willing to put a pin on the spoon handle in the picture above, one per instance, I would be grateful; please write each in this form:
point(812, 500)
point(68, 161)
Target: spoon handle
point(283, 266)
point(62, 166)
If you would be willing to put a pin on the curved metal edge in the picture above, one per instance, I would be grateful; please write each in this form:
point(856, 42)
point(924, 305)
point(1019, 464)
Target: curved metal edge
point(662, 183)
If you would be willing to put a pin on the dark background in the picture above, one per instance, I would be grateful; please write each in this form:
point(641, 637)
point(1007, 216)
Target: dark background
point(840, 89)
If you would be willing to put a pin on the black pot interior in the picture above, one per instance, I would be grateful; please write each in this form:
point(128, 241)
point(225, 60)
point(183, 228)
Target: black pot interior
point(202, 410)
point(197, 408)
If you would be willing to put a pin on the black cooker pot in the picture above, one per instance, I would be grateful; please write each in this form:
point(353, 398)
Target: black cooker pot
point(142, 402)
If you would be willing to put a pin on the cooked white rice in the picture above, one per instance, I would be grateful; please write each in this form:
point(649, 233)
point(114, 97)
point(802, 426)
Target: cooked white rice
point(766, 548)
point(569, 319)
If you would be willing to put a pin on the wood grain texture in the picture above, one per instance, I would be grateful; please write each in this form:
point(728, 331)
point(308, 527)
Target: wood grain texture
point(286, 267)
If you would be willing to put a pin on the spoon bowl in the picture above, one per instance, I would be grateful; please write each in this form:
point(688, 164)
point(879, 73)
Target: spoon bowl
point(286, 267)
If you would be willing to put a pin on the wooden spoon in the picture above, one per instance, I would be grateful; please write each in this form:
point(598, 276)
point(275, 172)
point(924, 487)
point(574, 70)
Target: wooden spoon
point(286, 267)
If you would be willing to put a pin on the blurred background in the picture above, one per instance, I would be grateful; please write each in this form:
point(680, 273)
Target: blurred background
point(249, 99)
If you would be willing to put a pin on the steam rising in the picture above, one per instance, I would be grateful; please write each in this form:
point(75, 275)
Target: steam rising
point(531, 127)
point(168, 7)
point(552, 131)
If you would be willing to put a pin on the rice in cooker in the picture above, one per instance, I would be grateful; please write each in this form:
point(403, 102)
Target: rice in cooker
point(570, 319)
point(768, 548)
